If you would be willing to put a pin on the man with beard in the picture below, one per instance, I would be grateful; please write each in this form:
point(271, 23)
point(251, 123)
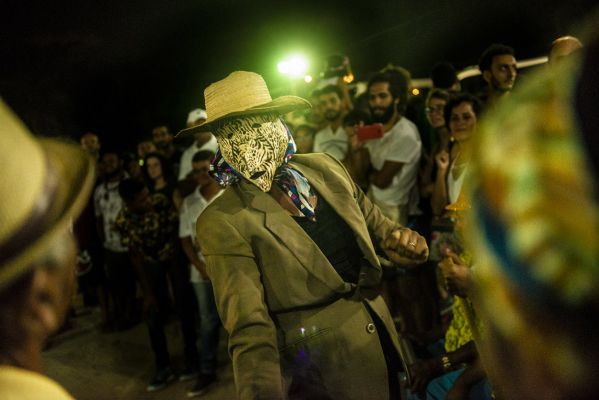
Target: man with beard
point(498, 67)
point(163, 140)
point(332, 139)
point(396, 155)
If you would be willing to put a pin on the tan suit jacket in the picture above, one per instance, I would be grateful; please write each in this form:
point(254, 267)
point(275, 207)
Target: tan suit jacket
point(286, 309)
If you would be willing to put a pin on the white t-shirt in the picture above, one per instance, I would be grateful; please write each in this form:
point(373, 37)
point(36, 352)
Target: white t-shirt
point(187, 156)
point(400, 144)
point(107, 204)
point(333, 143)
point(193, 205)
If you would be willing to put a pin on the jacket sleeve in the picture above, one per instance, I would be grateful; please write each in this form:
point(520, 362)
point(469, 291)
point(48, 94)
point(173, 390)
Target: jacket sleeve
point(241, 304)
point(377, 223)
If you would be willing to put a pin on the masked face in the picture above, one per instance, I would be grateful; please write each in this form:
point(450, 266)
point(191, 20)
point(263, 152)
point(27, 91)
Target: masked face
point(254, 146)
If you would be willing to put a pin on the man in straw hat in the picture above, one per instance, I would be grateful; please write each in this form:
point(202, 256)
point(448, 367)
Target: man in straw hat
point(44, 186)
point(293, 266)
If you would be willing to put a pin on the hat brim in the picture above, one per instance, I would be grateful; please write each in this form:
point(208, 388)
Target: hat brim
point(75, 171)
point(280, 105)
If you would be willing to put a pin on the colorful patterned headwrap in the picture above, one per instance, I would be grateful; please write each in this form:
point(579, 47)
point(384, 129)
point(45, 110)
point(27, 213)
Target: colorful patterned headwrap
point(290, 180)
point(535, 220)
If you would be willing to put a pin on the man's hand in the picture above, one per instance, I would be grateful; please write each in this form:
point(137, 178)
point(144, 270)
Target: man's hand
point(457, 275)
point(405, 247)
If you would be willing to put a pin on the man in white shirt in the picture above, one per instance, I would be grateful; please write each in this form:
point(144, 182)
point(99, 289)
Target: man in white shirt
point(396, 156)
point(332, 139)
point(204, 141)
point(193, 205)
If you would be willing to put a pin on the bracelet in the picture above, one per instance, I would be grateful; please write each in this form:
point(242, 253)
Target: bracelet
point(445, 363)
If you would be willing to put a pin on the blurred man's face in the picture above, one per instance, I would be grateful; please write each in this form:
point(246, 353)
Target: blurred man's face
point(330, 106)
point(434, 112)
point(503, 73)
point(144, 148)
point(111, 164)
point(161, 137)
point(200, 172)
point(90, 143)
point(381, 102)
point(304, 141)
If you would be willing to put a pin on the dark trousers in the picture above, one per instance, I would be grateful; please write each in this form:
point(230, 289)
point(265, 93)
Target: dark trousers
point(157, 274)
point(121, 286)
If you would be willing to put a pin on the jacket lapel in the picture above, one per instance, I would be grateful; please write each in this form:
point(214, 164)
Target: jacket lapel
point(288, 232)
point(343, 203)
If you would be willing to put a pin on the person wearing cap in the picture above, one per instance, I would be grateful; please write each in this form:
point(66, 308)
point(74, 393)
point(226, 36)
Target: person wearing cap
point(203, 141)
point(45, 184)
point(292, 264)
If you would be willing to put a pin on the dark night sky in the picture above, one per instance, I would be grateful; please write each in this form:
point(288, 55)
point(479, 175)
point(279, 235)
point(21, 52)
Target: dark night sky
point(120, 67)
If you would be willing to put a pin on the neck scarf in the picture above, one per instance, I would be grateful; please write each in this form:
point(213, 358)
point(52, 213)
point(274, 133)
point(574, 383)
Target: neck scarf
point(289, 180)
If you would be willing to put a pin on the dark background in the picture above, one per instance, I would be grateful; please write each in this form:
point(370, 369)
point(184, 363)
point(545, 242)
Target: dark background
point(118, 68)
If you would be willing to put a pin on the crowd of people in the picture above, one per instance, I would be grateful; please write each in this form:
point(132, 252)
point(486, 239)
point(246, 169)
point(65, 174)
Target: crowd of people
point(144, 233)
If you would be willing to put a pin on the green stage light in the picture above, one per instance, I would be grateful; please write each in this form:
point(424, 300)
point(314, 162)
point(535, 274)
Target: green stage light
point(295, 66)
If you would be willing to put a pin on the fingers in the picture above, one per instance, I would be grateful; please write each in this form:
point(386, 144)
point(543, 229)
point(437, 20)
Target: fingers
point(406, 243)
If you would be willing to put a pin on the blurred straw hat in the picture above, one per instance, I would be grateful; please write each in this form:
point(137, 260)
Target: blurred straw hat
point(44, 184)
point(242, 93)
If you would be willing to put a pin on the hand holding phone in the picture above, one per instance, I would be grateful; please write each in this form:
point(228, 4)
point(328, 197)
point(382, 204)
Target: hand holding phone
point(369, 132)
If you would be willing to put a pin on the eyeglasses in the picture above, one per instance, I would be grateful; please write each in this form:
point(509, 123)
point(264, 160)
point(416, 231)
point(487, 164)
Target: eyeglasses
point(437, 109)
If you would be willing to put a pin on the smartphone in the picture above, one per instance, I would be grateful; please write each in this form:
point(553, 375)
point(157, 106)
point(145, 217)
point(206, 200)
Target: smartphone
point(369, 132)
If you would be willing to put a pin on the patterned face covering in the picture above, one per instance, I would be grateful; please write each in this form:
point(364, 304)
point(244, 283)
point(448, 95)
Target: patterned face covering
point(254, 146)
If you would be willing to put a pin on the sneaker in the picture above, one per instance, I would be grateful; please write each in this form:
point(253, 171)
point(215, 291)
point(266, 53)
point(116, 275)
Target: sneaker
point(188, 373)
point(162, 378)
point(201, 385)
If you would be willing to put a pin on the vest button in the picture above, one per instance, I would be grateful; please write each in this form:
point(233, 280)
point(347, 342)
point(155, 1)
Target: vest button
point(370, 328)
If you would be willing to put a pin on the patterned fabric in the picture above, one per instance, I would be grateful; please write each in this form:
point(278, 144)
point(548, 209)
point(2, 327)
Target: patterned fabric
point(154, 233)
point(254, 145)
point(536, 221)
point(459, 331)
point(291, 181)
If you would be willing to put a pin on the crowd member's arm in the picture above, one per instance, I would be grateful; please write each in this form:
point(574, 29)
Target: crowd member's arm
point(241, 304)
point(185, 232)
point(457, 275)
point(471, 375)
point(357, 160)
point(440, 199)
point(383, 178)
point(192, 255)
point(424, 371)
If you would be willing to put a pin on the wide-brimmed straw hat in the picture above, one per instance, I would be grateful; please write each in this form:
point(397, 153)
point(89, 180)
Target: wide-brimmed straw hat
point(44, 184)
point(242, 93)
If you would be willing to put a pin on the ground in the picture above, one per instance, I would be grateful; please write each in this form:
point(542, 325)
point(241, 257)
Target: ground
point(93, 365)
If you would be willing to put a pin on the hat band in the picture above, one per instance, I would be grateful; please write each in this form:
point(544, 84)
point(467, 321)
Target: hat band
point(35, 225)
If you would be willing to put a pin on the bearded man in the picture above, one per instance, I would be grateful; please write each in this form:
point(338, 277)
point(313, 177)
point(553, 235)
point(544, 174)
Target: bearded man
point(293, 266)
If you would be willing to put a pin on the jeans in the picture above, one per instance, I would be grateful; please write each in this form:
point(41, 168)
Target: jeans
point(156, 274)
point(209, 326)
point(438, 388)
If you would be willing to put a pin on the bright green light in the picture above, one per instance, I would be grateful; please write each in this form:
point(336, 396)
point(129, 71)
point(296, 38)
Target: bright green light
point(295, 66)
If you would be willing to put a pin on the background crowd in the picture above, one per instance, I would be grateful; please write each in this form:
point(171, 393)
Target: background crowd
point(139, 258)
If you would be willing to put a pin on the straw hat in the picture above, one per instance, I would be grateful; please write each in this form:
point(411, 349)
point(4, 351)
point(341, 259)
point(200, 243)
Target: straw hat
point(242, 93)
point(43, 185)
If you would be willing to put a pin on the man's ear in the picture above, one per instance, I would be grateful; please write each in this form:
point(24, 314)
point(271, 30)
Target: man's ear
point(487, 76)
